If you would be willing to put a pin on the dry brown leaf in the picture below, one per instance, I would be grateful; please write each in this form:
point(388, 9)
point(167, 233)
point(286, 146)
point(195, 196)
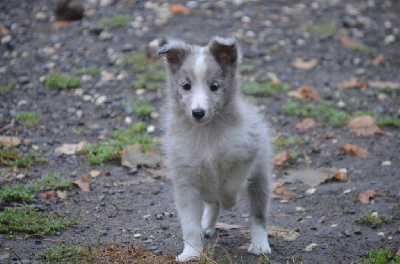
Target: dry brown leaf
point(304, 65)
point(162, 173)
point(132, 156)
point(224, 226)
point(348, 42)
point(179, 9)
point(390, 85)
point(281, 158)
point(311, 177)
point(48, 196)
point(83, 184)
point(365, 125)
point(355, 150)
point(244, 247)
point(70, 149)
point(94, 173)
point(305, 93)
point(380, 58)
point(4, 31)
point(352, 83)
point(285, 191)
point(306, 124)
point(10, 141)
point(365, 195)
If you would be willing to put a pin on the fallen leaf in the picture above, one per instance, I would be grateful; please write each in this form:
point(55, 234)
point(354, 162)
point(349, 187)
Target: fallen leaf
point(380, 58)
point(179, 9)
point(10, 141)
point(304, 65)
point(281, 158)
point(311, 177)
point(355, 150)
point(352, 83)
point(390, 85)
point(285, 191)
point(348, 42)
point(4, 31)
point(62, 194)
point(306, 124)
point(70, 149)
point(365, 195)
point(94, 173)
point(311, 247)
point(365, 125)
point(305, 93)
point(132, 156)
point(83, 184)
point(162, 173)
point(224, 226)
point(48, 196)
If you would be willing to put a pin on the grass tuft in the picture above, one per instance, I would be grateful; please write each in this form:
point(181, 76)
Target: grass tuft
point(11, 157)
point(27, 219)
point(111, 149)
point(30, 119)
point(321, 30)
point(389, 121)
point(6, 88)
point(362, 48)
point(26, 192)
point(382, 256)
point(373, 219)
point(117, 21)
point(66, 254)
point(263, 89)
point(61, 81)
point(93, 71)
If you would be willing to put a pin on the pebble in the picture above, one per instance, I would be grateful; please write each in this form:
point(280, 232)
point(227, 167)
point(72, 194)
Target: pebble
point(87, 98)
point(6, 39)
point(140, 91)
point(192, 4)
point(78, 92)
point(23, 80)
point(389, 39)
point(245, 19)
point(133, 171)
point(128, 120)
point(40, 16)
point(22, 102)
point(159, 216)
point(100, 100)
point(127, 47)
point(79, 114)
point(104, 35)
point(150, 129)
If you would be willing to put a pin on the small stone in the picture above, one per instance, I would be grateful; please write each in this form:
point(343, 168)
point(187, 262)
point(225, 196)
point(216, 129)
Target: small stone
point(105, 2)
point(101, 100)
point(20, 176)
point(245, 19)
point(140, 91)
point(49, 50)
point(104, 35)
point(347, 191)
point(128, 120)
point(192, 4)
point(311, 247)
point(79, 114)
point(133, 171)
point(6, 39)
point(357, 232)
point(386, 163)
point(154, 44)
point(300, 209)
point(27, 142)
point(150, 129)
point(237, 2)
point(137, 235)
point(389, 39)
point(87, 98)
point(22, 102)
point(159, 216)
point(40, 16)
point(127, 47)
point(311, 191)
point(23, 79)
point(146, 216)
point(347, 233)
point(35, 147)
point(154, 115)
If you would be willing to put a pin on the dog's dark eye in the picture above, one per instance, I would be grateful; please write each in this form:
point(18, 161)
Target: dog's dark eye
point(214, 87)
point(187, 86)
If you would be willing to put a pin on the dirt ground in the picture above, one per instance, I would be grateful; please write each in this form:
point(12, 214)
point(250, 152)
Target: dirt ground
point(272, 34)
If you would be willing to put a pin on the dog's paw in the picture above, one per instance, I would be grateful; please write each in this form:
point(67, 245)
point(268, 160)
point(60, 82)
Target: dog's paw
point(209, 232)
point(184, 257)
point(261, 248)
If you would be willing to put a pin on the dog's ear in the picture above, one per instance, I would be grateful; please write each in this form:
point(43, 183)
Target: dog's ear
point(225, 50)
point(174, 50)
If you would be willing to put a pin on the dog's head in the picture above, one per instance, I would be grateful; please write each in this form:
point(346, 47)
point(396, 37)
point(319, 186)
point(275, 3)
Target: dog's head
point(202, 80)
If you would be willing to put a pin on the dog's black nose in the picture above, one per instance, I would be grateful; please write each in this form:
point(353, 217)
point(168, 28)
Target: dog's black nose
point(198, 113)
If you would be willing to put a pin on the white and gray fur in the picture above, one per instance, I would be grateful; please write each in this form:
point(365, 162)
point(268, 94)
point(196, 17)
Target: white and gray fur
point(211, 157)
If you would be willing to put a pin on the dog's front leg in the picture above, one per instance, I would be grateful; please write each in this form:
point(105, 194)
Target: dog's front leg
point(190, 207)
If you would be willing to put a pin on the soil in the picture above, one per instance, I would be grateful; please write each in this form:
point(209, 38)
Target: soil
point(271, 34)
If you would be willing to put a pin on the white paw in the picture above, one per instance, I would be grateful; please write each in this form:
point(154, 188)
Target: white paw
point(184, 257)
point(260, 248)
point(209, 232)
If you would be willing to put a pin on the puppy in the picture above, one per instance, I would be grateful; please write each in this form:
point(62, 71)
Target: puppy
point(216, 143)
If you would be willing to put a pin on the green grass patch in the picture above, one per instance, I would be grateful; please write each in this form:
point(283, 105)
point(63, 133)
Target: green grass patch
point(389, 121)
point(26, 192)
point(263, 88)
point(281, 142)
point(141, 107)
point(362, 48)
point(247, 68)
point(111, 149)
point(116, 21)
point(27, 219)
point(61, 81)
point(11, 157)
point(30, 119)
point(93, 71)
point(373, 219)
point(66, 254)
point(325, 109)
point(8, 87)
point(150, 80)
point(382, 256)
point(321, 30)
